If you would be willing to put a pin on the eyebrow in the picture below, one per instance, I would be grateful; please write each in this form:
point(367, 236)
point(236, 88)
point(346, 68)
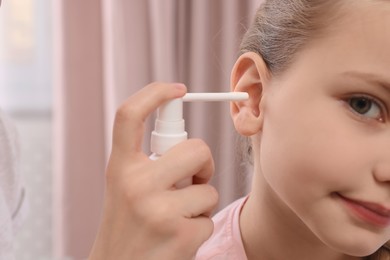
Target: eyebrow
point(370, 78)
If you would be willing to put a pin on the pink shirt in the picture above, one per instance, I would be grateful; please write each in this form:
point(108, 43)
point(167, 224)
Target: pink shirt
point(225, 243)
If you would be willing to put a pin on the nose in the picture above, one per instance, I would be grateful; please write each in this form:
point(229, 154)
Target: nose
point(381, 152)
point(382, 172)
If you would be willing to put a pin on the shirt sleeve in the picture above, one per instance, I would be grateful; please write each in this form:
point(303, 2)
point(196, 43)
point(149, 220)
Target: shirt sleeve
point(12, 192)
point(225, 243)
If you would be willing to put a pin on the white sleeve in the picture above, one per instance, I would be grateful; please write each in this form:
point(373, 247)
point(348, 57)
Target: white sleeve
point(12, 193)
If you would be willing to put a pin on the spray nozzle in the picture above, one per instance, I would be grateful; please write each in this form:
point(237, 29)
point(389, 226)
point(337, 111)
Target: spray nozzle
point(169, 126)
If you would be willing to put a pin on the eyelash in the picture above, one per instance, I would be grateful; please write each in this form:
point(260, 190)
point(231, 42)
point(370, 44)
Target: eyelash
point(373, 101)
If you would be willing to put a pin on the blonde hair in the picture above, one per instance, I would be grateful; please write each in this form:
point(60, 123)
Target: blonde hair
point(280, 30)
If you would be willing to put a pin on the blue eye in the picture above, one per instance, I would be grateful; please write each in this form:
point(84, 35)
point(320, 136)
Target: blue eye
point(366, 107)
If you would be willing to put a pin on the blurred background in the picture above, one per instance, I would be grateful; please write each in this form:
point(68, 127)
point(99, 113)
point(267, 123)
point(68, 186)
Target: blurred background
point(26, 96)
point(65, 65)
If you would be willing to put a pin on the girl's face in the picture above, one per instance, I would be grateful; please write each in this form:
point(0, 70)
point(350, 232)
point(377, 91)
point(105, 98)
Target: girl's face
point(325, 144)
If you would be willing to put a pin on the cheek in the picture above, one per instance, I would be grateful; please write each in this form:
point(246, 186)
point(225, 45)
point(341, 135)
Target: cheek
point(305, 166)
point(309, 154)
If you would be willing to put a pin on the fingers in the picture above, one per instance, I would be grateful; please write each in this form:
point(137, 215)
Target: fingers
point(189, 159)
point(200, 230)
point(131, 115)
point(203, 198)
point(190, 235)
point(194, 205)
point(141, 206)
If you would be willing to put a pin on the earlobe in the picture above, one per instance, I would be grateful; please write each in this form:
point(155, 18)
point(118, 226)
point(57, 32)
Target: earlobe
point(250, 74)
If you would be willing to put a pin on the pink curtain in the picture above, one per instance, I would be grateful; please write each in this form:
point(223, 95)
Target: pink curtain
point(107, 50)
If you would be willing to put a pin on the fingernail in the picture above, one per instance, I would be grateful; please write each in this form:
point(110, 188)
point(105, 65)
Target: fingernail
point(182, 89)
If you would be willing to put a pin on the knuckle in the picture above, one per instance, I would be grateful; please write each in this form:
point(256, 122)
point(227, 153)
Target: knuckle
point(136, 189)
point(131, 184)
point(212, 194)
point(201, 149)
point(127, 111)
point(161, 209)
point(159, 218)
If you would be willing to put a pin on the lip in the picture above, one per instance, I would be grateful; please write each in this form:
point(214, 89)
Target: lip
point(372, 213)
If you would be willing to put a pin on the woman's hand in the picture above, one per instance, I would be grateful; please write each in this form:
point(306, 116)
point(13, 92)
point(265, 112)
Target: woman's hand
point(144, 216)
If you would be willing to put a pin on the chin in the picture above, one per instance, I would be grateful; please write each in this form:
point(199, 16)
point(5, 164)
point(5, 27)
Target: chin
point(355, 246)
point(350, 240)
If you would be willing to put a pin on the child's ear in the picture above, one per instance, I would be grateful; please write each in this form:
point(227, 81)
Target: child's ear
point(250, 74)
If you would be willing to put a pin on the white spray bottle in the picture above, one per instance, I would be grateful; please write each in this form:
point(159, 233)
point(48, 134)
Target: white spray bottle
point(170, 127)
